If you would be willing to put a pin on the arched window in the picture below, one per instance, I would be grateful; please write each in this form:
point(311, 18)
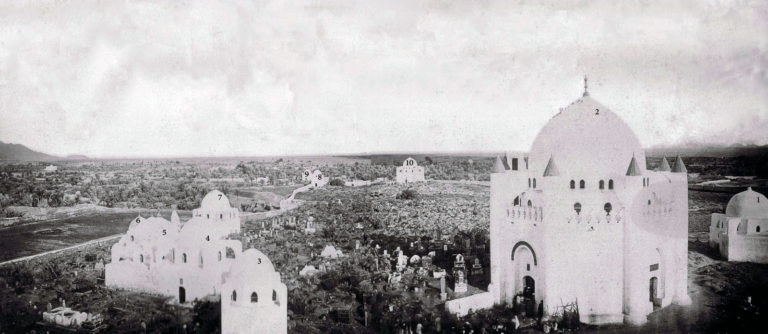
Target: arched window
point(643, 182)
point(219, 255)
point(534, 183)
point(602, 185)
point(577, 207)
point(610, 184)
point(184, 257)
point(649, 202)
point(208, 216)
point(517, 200)
point(141, 257)
point(230, 253)
point(573, 184)
point(201, 260)
point(757, 229)
point(530, 204)
point(254, 297)
point(131, 238)
point(529, 183)
point(607, 207)
point(274, 295)
point(234, 295)
point(221, 216)
point(581, 184)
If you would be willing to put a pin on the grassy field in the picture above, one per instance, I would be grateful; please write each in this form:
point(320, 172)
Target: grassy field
point(701, 206)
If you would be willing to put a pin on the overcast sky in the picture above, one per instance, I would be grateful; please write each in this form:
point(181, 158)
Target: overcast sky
point(199, 78)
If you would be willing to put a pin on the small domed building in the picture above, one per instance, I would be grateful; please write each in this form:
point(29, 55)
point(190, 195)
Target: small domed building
point(581, 220)
point(254, 299)
point(186, 260)
point(409, 172)
point(740, 234)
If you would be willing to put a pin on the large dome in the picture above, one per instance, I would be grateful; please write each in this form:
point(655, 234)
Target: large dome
point(747, 204)
point(252, 266)
point(215, 201)
point(586, 139)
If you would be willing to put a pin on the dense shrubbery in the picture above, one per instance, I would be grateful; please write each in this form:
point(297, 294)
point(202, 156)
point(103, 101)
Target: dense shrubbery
point(337, 183)
point(408, 194)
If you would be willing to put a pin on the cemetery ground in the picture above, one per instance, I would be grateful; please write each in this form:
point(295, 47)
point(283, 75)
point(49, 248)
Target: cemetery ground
point(354, 293)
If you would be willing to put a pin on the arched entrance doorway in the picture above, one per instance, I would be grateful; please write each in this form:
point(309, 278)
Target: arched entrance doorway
point(653, 293)
point(529, 287)
point(182, 295)
point(521, 279)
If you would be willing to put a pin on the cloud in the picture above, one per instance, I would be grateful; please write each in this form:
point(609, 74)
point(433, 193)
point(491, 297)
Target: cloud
point(275, 77)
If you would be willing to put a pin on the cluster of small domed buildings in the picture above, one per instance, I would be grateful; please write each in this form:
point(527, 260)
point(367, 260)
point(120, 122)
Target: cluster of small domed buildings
point(195, 259)
point(580, 219)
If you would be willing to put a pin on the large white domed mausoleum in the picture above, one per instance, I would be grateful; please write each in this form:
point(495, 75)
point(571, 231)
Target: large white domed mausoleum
point(581, 220)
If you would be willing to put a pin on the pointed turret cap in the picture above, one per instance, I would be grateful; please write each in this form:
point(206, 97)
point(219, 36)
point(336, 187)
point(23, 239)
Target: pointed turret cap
point(679, 166)
point(664, 165)
point(551, 169)
point(498, 166)
point(175, 218)
point(633, 169)
point(505, 161)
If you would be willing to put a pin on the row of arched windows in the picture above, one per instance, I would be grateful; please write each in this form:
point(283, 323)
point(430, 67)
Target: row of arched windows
point(532, 184)
point(184, 256)
point(517, 202)
point(583, 184)
point(607, 207)
point(646, 182)
point(254, 296)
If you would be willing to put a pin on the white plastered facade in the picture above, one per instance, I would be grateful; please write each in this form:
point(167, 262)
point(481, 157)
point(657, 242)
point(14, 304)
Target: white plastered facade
point(409, 172)
point(187, 261)
point(740, 234)
point(254, 299)
point(622, 255)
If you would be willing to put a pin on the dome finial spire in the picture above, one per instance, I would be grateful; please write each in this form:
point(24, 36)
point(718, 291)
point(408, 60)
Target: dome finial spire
point(586, 93)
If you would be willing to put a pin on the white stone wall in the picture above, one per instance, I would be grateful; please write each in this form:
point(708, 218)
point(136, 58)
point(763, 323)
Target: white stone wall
point(601, 261)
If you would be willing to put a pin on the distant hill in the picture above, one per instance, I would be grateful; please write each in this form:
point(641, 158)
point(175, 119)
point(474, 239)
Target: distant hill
point(20, 152)
point(709, 151)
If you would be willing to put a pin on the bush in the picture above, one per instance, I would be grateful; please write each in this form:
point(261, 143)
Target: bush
point(337, 183)
point(407, 194)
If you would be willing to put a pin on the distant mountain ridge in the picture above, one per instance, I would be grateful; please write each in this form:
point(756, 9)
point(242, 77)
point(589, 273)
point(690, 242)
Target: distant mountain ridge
point(18, 152)
point(711, 151)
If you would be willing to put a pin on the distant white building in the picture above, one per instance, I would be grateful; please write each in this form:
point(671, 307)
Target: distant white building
point(317, 179)
point(254, 299)
point(187, 261)
point(740, 234)
point(50, 169)
point(581, 220)
point(409, 172)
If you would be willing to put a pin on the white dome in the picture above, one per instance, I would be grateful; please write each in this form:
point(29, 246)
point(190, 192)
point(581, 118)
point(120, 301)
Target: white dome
point(197, 230)
point(586, 139)
point(152, 228)
point(253, 267)
point(747, 204)
point(215, 201)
